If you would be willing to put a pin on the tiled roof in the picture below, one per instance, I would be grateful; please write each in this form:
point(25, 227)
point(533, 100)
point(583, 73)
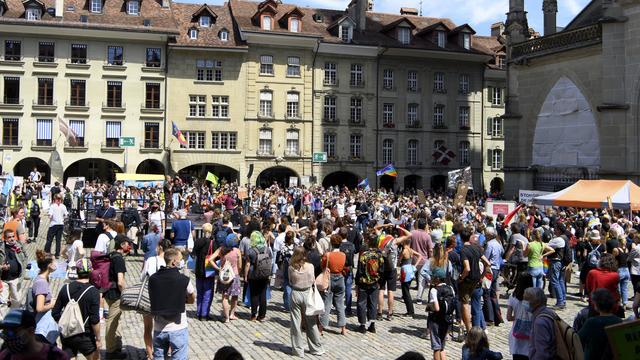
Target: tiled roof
point(113, 16)
point(207, 36)
point(489, 45)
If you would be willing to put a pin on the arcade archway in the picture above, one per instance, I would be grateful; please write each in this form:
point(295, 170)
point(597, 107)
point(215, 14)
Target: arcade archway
point(150, 166)
point(25, 166)
point(496, 186)
point(388, 182)
point(341, 178)
point(439, 183)
point(199, 171)
point(413, 182)
point(93, 169)
point(276, 174)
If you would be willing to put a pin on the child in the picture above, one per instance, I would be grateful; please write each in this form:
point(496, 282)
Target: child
point(440, 308)
point(75, 251)
point(476, 346)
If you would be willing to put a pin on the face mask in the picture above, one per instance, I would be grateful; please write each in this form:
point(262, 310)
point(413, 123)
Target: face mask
point(526, 306)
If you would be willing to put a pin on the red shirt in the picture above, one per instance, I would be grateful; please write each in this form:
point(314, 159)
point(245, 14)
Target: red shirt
point(601, 278)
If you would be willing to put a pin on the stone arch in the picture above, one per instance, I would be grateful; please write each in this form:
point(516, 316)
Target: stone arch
point(25, 166)
point(151, 166)
point(224, 173)
point(412, 182)
point(276, 174)
point(566, 133)
point(93, 169)
point(341, 178)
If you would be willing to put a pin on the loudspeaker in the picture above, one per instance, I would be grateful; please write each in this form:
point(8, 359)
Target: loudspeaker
point(250, 171)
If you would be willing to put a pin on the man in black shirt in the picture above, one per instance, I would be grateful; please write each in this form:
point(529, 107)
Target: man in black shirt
point(88, 298)
point(349, 249)
point(13, 262)
point(117, 270)
point(470, 289)
point(103, 213)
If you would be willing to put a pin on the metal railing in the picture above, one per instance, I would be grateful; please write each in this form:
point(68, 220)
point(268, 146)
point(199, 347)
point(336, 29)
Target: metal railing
point(561, 41)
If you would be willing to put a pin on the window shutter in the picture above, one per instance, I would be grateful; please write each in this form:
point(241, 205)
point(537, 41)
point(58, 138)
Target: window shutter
point(489, 126)
point(489, 157)
point(77, 126)
point(490, 94)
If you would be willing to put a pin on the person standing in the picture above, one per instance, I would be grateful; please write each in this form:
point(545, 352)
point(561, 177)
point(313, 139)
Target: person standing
point(42, 303)
point(258, 275)
point(130, 217)
point(150, 267)
point(493, 252)
point(157, 217)
point(104, 213)
point(117, 271)
point(334, 260)
point(181, 230)
point(422, 244)
point(151, 241)
point(470, 289)
point(556, 268)
point(35, 175)
point(20, 343)
point(592, 334)
point(13, 260)
point(168, 308)
point(543, 334)
point(104, 242)
point(536, 250)
point(57, 214)
point(370, 268)
point(16, 224)
point(229, 287)
point(205, 285)
point(521, 328)
point(34, 207)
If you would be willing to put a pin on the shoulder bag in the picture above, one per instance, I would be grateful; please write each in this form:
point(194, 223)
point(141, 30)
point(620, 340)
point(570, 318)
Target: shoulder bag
point(322, 281)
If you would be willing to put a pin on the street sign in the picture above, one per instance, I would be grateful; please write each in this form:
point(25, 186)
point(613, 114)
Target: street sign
point(319, 157)
point(127, 141)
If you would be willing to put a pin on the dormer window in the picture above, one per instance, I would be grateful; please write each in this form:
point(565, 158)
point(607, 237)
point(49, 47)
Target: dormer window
point(294, 25)
point(441, 38)
point(223, 35)
point(466, 41)
point(133, 7)
point(96, 6)
point(193, 34)
point(404, 35)
point(33, 13)
point(267, 22)
point(346, 33)
point(205, 21)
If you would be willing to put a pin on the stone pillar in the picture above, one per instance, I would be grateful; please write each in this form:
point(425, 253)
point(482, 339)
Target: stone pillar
point(550, 9)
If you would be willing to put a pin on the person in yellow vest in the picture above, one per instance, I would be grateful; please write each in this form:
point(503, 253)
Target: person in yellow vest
point(34, 207)
point(447, 225)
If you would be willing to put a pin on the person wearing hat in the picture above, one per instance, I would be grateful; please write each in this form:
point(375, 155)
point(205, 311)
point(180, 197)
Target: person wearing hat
point(88, 297)
point(593, 248)
point(18, 333)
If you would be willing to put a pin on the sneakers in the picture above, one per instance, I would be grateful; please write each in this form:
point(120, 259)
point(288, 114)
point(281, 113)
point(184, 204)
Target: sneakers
point(372, 328)
point(362, 329)
point(419, 302)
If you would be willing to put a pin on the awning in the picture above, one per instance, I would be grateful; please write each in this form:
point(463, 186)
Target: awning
point(620, 194)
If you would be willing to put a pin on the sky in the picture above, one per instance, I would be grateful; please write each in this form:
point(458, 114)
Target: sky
point(480, 14)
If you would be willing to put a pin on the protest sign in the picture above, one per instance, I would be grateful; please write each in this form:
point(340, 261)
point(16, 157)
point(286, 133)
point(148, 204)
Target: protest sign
point(526, 196)
point(624, 339)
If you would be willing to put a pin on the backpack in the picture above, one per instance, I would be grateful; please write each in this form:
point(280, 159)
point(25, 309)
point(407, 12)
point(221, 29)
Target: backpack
point(127, 218)
point(369, 268)
point(567, 255)
point(99, 276)
point(568, 344)
point(446, 304)
point(390, 256)
point(593, 258)
point(227, 274)
point(221, 236)
point(262, 266)
point(71, 322)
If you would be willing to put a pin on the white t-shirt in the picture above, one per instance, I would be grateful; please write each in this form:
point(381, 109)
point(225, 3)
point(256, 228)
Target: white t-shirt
point(151, 265)
point(57, 214)
point(73, 252)
point(102, 243)
point(557, 242)
point(156, 218)
point(161, 323)
point(340, 208)
point(517, 346)
point(278, 243)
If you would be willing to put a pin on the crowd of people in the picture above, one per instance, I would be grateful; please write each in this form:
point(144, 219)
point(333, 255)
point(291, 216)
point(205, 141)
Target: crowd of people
point(321, 247)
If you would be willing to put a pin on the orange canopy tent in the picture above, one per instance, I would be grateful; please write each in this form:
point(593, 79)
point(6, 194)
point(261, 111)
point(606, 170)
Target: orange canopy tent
point(620, 194)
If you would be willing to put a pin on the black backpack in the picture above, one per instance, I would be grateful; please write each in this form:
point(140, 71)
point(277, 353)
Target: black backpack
point(127, 218)
point(221, 236)
point(446, 302)
point(567, 254)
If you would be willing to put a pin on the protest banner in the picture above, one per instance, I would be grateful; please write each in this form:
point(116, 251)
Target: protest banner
point(494, 208)
point(624, 339)
point(461, 194)
point(422, 200)
point(526, 196)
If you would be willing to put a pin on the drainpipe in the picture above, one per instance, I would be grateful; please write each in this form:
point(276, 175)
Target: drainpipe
point(380, 53)
point(313, 99)
point(482, 129)
point(166, 107)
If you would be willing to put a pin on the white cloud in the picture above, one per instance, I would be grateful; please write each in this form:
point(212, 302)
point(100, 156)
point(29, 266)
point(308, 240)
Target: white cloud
point(574, 6)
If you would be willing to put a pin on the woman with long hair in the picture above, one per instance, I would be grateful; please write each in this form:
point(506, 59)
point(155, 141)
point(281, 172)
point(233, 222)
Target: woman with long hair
point(205, 285)
point(535, 251)
point(301, 277)
point(334, 259)
point(42, 302)
point(476, 346)
point(229, 287)
point(257, 284)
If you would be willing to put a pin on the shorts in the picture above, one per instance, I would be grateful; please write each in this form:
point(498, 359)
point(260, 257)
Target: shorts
point(84, 344)
point(389, 280)
point(635, 282)
point(439, 332)
point(465, 289)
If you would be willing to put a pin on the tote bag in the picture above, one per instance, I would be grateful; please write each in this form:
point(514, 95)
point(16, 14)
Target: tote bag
point(522, 326)
point(136, 297)
point(209, 262)
point(315, 304)
point(322, 281)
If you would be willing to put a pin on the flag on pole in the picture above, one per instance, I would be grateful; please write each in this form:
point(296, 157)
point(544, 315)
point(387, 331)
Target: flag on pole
point(178, 134)
point(212, 178)
point(442, 155)
point(69, 134)
point(388, 170)
point(364, 183)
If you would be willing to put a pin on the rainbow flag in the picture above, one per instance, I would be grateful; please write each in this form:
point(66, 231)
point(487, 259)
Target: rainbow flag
point(178, 134)
point(388, 170)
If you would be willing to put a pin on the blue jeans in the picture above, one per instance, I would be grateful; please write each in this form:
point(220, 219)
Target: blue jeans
point(623, 286)
point(348, 285)
point(556, 282)
point(537, 274)
point(178, 341)
point(286, 294)
point(477, 316)
point(334, 295)
point(204, 296)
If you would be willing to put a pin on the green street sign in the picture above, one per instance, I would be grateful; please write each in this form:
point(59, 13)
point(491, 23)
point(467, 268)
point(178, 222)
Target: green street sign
point(319, 157)
point(128, 141)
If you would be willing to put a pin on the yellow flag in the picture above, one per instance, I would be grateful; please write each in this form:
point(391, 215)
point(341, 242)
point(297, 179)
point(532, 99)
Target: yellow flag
point(212, 178)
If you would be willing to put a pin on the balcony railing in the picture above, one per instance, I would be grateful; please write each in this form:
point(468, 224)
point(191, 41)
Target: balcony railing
point(77, 103)
point(562, 41)
point(414, 125)
point(12, 57)
point(389, 125)
point(439, 90)
point(356, 122)
point(330, 120)
point(265, 152)
point(48, 143)
point(439, 126)
point(78, 60)
point(113, 105)
point(45, 58)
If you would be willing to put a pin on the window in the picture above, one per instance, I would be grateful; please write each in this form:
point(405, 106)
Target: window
point(266, 104)
point(266, 65)
point(356, 75)
point(10, 132)
point(412, 116)
point(329, 110)
point(355, 146)
point(330, 145)
point(45, 91)
point(220, 106)
point(346, 33)
point(78, 128)
point(46, 51)
point(224, 140)
point(330, 74)
point(78, 53)
point(115, 55)
point(264, 146)
point(208, 70)
point(441, 38)
point(32, 14)
point(412, 152)
point(438, 116)
point(78, 92)
point(387, 79)
point(501, 61)
point(151, 135)
point(466, 41)
point(356, 110)
point(404, 35)
point(205, 21)
point(387, 151)
point(11, 90)
point(494, 158)
point(113, 132)
point(293, 66)
point(197, 105)
point(293, 105)
point(152, 96)
point(153, 58)
point(133, 7)
point(294, 25)
point(114, 94)
point(387, 115)
point(43, 132)
point(195, 140)
point(266, 23)
point(465, 155)
point(193, 34)
point(412, 80)
point(223, 35)
point(12, 50)
point(96, 6)
point(463, 117)
point(293, 144)
point(438, 82)
point(496, 95)
point(496, 129)
point(464, 84)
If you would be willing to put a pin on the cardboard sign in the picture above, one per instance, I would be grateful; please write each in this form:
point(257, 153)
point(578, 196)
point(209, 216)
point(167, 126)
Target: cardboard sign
point(500, 207)
point(461, 194)
point(421, 198)
point(624, 339)
point(293, 181)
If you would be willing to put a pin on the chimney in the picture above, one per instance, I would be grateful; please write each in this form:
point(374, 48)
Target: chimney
point(549, 8)
point(408, 11)
point(59, 8)
point(497, 29)
point(166, 4)
point(358, 11)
